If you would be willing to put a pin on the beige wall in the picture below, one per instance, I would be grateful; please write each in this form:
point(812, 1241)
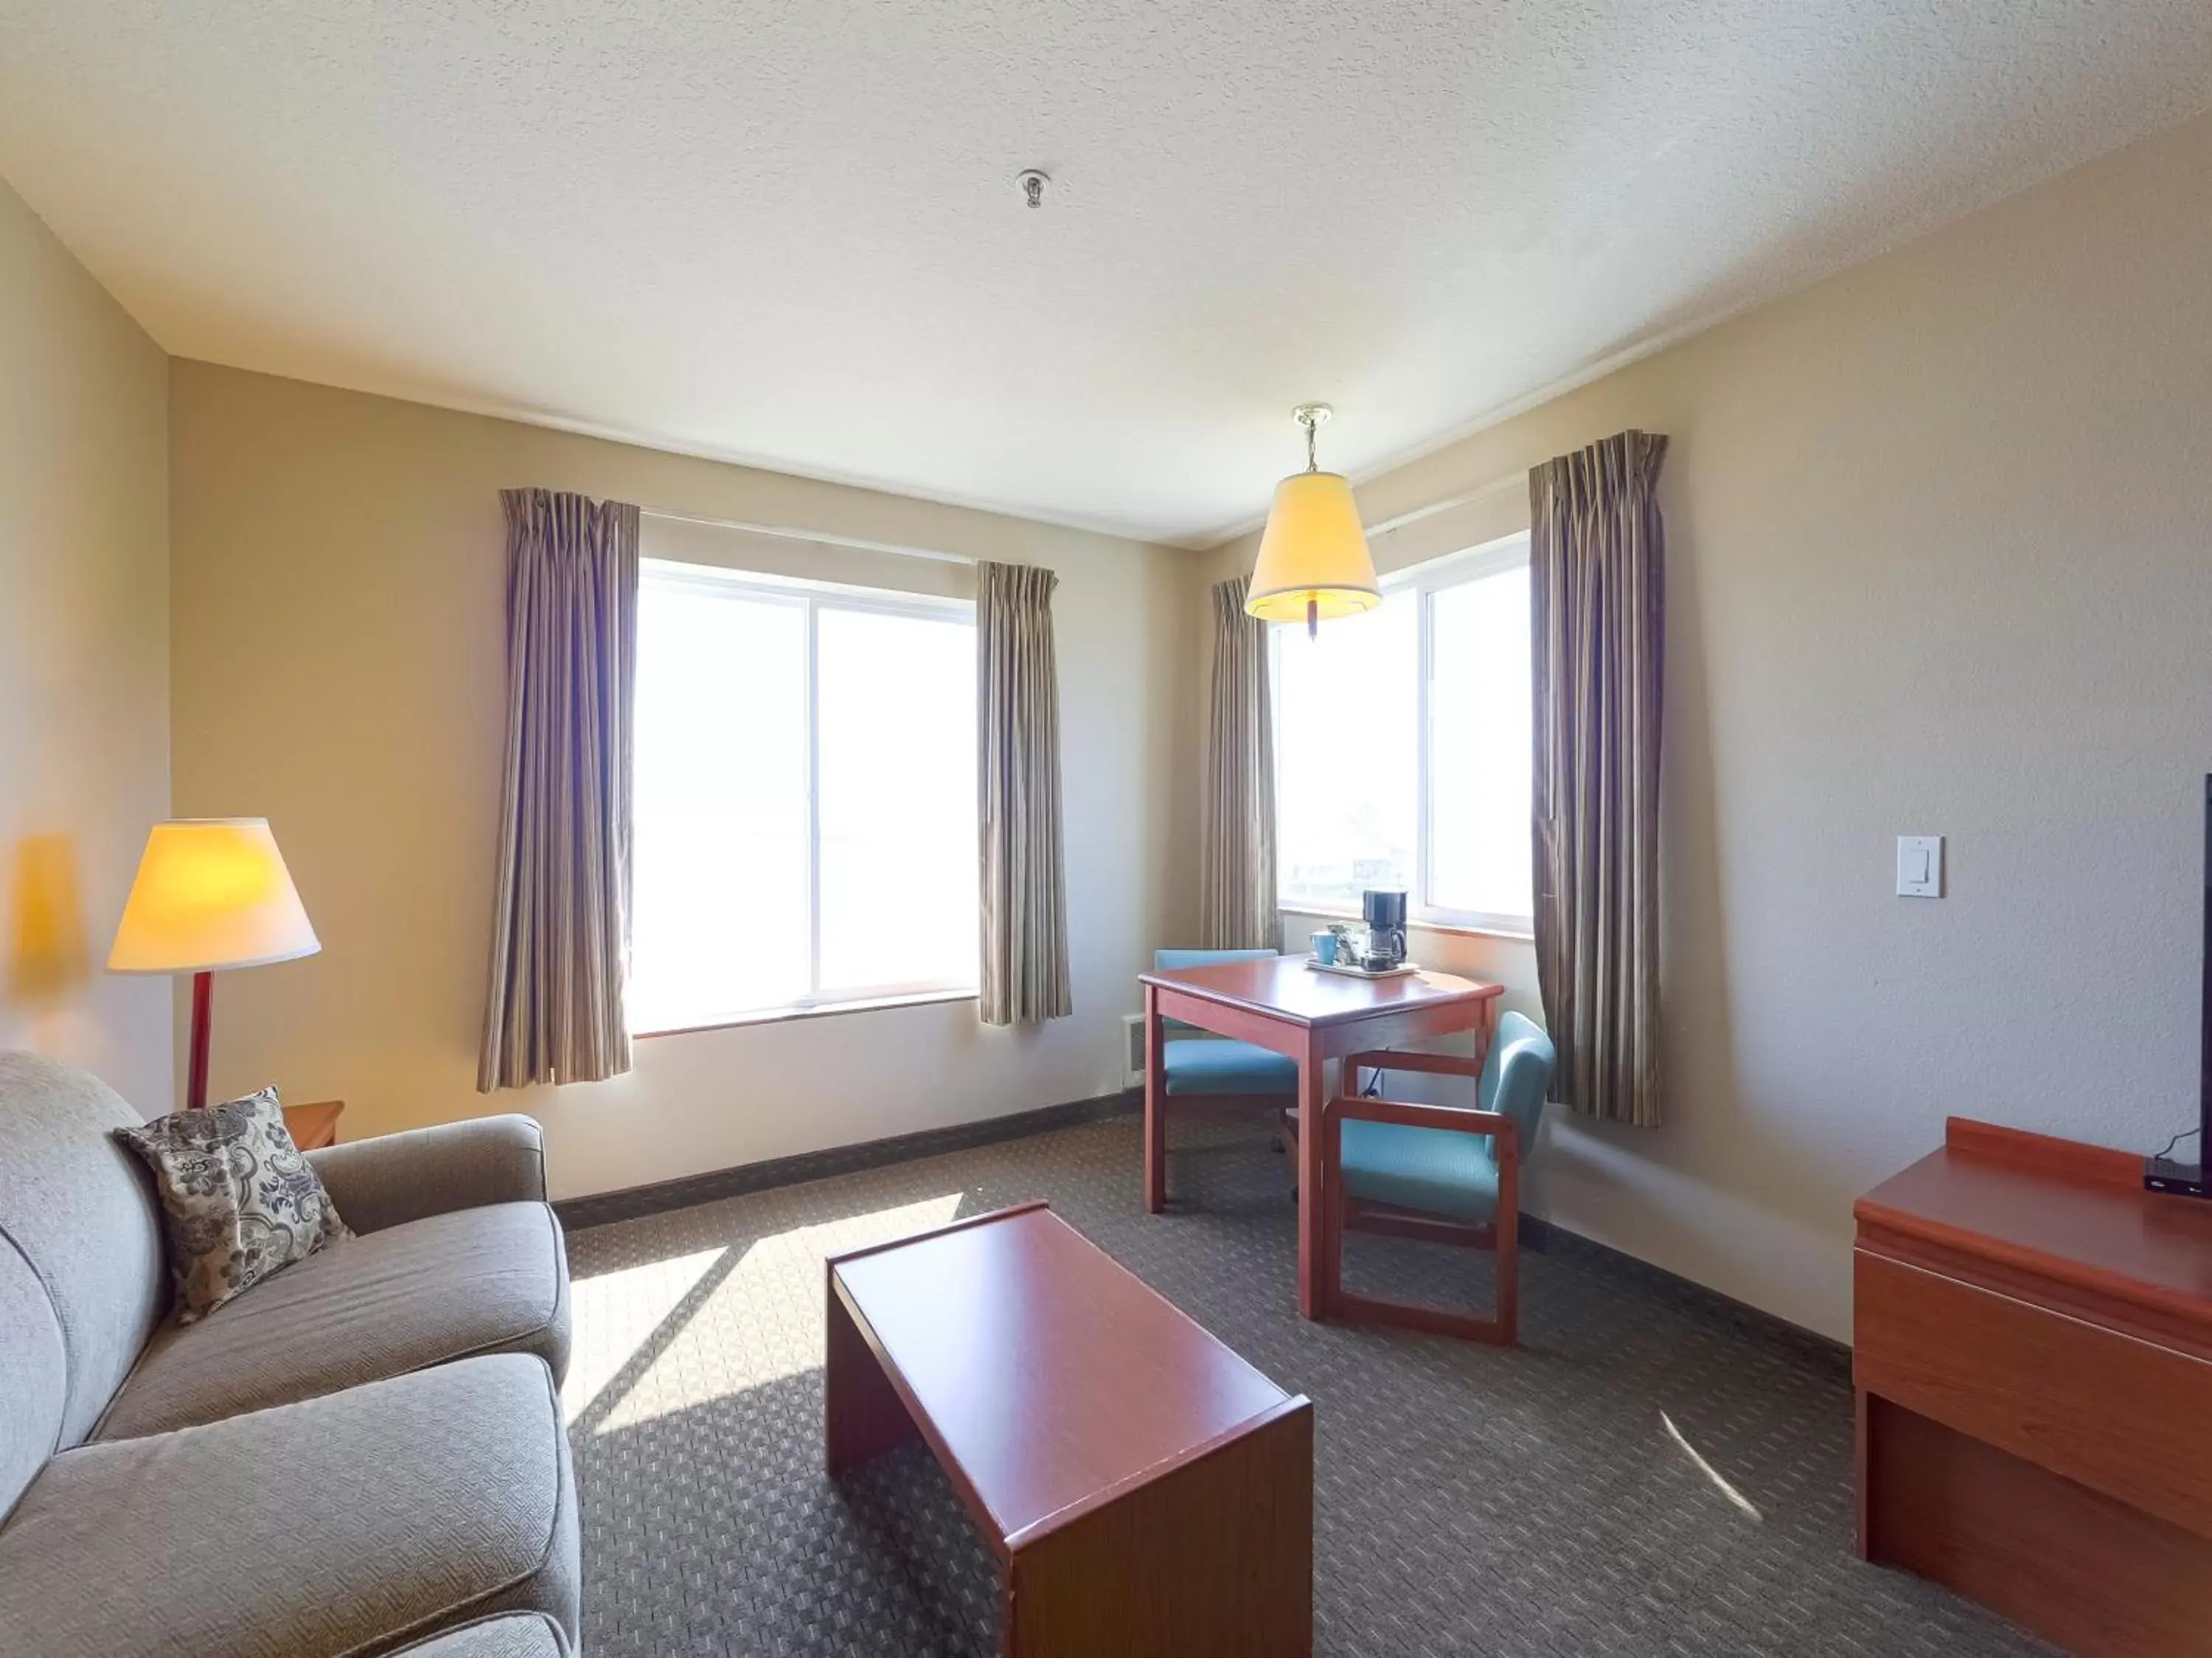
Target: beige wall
point(1940, 561)
point(84, 671)
point(338, 571)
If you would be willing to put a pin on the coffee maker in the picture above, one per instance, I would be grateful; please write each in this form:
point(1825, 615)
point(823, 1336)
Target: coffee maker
point(1385, 915)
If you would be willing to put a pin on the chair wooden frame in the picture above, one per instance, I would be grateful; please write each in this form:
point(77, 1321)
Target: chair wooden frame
point(1502, 1235)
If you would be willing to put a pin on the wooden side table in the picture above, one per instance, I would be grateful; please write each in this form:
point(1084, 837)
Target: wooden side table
point(312, 1127)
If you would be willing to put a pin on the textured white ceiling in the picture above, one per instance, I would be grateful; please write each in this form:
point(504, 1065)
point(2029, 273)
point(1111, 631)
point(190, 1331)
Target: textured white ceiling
point(789, 234)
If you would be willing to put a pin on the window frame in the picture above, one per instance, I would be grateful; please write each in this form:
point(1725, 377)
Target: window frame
point(1425, 580)
point(813, 597)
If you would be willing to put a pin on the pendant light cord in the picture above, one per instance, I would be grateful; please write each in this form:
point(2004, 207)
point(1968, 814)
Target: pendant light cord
point(1312, 425)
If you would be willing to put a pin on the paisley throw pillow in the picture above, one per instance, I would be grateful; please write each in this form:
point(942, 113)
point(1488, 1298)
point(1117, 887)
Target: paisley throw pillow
point(239, 1200)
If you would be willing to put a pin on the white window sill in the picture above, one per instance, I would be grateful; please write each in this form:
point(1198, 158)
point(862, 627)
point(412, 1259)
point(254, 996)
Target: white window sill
point(1454, 928)
point(811, 1010)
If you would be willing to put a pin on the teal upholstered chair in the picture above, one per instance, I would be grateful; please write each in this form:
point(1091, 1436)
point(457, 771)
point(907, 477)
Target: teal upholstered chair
point(1441, 1172)
point(1197, 1064)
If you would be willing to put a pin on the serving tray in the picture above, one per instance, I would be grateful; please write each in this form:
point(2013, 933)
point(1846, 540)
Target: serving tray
point(1404, 969)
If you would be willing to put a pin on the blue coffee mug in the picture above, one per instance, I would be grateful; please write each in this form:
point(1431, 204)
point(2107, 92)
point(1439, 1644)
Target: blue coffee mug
point(1324, 947)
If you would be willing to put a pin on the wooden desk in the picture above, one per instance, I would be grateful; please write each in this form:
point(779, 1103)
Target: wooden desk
point(2032, 1360)
point(1278, 1003)
point(312, 1127)
point(1148, 1493)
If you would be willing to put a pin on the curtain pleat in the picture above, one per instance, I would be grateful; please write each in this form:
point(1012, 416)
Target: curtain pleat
point(561, 924)
point(1597, 603)
point(1237, 871)
point(1024, 885)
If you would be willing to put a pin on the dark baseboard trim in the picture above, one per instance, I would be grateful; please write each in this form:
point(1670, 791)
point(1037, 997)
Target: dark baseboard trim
point(631, 1202)
point(1557, 1241)
point(600, 1208)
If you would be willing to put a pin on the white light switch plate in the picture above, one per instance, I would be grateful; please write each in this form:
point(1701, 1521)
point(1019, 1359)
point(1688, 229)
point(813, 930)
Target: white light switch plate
point(1920, 866)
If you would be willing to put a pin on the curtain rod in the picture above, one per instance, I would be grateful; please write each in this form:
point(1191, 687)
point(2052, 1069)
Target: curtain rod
point(861, 544)
point(1466, 498)
point(786, 532)
point(1383, 526)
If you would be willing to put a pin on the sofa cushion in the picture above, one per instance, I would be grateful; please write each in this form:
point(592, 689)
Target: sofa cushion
point(347, 1525)
point(487, 1280)
point(517, 1635)
point(239, 1201)
point(33, 1377)
point(81, 1211)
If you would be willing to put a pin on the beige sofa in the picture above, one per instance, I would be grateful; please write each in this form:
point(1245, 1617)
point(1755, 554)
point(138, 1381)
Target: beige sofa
point(359, 1454)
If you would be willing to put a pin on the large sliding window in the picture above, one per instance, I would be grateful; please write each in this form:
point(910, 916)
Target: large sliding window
point(804, 797)
point(1402, 742)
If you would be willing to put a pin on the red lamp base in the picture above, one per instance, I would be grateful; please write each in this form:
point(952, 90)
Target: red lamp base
point(196, 1075)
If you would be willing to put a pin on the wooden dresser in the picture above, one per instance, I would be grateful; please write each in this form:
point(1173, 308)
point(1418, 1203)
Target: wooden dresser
point(2033, 1356)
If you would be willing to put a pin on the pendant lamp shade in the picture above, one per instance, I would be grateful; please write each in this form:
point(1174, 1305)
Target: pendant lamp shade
point(1313, 561)
point(1314, 565)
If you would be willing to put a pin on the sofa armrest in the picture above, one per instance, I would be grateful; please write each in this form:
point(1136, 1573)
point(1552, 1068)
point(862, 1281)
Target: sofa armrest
point(395, 1177)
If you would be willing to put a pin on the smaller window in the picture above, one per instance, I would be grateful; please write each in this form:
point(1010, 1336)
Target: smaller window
point(1479, 864)
point(1403, 746)
point(1347, 755)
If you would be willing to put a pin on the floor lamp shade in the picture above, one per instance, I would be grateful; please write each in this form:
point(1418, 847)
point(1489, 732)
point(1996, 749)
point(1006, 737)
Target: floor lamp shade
point(1313, 563)
point(210, 892)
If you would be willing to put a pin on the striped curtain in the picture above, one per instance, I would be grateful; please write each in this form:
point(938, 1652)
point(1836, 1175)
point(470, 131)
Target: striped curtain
point(1597, 579)
point(561, 926)
point(1237, 871)
point(1024, 884)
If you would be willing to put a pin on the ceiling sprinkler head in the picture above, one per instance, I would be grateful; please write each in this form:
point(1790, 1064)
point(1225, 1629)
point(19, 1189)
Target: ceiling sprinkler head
point(1033, 183)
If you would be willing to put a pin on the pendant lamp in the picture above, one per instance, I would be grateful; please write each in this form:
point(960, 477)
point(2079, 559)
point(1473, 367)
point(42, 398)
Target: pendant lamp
point(1314, 565)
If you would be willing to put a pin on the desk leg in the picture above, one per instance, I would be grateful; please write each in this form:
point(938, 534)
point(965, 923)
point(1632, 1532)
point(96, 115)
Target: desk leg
point(1317, 1271)
point(1485, 1033)
point(1156, 1108)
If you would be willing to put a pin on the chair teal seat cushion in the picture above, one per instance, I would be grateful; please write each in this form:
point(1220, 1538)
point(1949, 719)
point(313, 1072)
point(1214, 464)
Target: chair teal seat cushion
point(1440, 1171)
point(1214, 1064)
point(1428, 1169)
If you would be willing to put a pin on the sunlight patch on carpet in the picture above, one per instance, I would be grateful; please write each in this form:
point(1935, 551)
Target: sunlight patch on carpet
point(756, 1320)
point(617, 1313)
point(1709, 1470)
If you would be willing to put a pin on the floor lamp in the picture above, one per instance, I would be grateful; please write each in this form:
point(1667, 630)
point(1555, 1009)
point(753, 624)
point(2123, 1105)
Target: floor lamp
point(211, 892)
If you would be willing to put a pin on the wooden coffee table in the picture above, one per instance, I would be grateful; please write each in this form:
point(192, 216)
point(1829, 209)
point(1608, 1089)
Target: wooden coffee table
point(1148, 1492)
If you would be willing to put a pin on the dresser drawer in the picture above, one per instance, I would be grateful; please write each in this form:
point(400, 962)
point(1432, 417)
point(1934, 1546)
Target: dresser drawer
point(2118, 1414)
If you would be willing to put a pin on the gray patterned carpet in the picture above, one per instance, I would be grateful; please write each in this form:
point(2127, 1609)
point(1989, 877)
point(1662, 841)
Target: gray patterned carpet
point(1649, 1473)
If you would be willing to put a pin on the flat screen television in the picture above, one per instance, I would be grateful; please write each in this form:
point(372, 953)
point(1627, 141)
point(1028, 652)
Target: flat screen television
point(2162, 1173)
